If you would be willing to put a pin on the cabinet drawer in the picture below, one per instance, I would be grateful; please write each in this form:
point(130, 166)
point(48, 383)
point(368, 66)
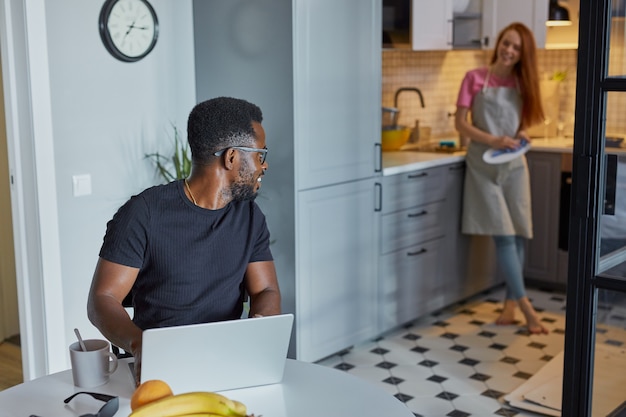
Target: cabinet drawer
point(409, 227)
point(409, 285)
point(408, 190)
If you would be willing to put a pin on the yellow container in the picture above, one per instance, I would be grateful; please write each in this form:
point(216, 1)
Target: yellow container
point(393, 139)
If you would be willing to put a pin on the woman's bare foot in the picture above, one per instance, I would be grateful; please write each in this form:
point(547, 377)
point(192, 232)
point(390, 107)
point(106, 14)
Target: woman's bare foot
point(536, 328)
point(532, 319)
point(508, 313)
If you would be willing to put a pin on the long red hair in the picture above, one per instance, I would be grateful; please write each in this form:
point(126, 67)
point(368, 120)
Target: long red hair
point(527, 74)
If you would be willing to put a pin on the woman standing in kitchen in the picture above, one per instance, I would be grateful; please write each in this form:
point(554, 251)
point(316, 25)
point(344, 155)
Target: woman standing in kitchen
point(503, 100)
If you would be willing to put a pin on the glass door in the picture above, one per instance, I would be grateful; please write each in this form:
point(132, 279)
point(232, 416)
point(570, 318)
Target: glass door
point(594, 374)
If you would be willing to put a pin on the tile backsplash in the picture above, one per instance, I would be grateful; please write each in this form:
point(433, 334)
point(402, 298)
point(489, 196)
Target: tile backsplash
point(438, 75)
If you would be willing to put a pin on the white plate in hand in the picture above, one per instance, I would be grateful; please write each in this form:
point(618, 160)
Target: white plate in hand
point(500, 156)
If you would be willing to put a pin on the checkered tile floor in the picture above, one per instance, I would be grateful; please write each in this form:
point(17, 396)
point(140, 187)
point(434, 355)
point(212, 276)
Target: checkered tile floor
point(458, 363)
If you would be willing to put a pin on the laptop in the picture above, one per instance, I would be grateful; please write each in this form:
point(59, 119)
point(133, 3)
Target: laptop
point(218, 356)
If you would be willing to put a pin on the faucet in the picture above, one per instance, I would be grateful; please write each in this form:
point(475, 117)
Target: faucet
point(415, 135)
point(399, 90)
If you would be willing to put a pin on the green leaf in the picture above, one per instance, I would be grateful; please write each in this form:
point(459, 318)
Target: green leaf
point(179, 165)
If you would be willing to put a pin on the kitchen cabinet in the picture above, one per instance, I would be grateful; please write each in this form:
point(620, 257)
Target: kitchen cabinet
point(543, 260)
point(426, 263)
point(409, 284)
point(337, 269)
point(336, 122)
point(337, 86)
point(456, 248)
point(499, 13)
point(431, 25)
point(467, 30)
point(469, 263)
point(320, 94)
point(412, 236)
point(437, 26)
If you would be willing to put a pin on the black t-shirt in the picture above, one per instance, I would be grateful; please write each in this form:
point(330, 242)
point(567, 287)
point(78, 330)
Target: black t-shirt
point(191, 260)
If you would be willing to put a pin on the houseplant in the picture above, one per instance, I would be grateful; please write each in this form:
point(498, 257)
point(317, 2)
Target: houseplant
point(178, 165)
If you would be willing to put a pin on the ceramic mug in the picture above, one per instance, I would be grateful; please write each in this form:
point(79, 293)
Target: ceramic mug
point(92, 367)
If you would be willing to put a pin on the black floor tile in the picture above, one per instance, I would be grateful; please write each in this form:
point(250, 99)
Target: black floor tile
point(492, 393)
point(386, 365)
point(445, 395)
point(469, 362)
point(506, 412)
point(420, 349)
point(428, 364)
point(344, 366)
point(480, 377)
point(523, 375)
point(458, 413)
point(393, 380)
point(509, 359)
point(403, 397)
point(459, 348)
point(498, 346)
point(437, 378)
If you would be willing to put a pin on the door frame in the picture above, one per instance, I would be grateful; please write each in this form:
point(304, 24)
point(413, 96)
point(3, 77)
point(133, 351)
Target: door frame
point(9, 316)
point(587, 201)
point(26, 81)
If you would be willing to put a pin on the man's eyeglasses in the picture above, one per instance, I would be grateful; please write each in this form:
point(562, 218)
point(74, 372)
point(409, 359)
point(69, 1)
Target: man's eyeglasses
point(112, 404)
point(263, 151)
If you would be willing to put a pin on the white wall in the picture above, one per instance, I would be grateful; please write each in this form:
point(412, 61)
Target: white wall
point(105, 115)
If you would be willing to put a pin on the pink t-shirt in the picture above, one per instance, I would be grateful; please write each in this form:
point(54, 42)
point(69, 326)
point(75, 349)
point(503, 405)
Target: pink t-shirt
point(474, 81)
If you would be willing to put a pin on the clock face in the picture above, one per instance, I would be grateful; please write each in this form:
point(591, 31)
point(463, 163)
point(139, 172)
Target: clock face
point(128, 28)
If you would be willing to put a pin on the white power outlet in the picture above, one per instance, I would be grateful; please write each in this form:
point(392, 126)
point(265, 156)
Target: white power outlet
point(81, 185)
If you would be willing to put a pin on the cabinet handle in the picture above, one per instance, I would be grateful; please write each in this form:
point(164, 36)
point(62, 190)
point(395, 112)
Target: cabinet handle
point(378, 189)
point(611, 184)
point(421, 174)
point(421, 213)
point(419, 252)
point(378, 156)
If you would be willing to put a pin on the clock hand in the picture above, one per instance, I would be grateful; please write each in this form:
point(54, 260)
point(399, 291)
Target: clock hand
point(130, 27)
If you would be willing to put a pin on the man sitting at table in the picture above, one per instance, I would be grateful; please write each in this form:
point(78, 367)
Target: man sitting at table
point(190, 249)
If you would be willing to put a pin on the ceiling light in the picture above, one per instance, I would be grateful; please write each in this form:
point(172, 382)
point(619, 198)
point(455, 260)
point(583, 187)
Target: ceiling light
point(557, 15)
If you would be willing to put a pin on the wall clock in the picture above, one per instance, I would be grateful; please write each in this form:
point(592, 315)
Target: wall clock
point(129, 28)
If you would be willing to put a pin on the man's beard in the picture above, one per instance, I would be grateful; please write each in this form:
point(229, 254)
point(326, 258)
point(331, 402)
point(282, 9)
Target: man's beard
point(243, 188)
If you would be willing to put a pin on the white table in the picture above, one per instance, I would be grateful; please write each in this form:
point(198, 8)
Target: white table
point(307, 390)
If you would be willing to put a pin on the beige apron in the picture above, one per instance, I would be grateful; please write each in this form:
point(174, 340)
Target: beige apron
point(496, 198)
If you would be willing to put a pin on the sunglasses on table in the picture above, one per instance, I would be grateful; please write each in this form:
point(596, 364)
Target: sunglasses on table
point(262, 151)
point(110, 407)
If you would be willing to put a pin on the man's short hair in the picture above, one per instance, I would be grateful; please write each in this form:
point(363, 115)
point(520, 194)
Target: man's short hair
point(220, 123)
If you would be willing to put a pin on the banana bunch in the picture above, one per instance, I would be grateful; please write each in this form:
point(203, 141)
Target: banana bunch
point(192, 404)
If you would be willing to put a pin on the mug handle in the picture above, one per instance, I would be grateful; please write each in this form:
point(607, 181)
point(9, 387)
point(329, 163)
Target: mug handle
point(112, 363)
